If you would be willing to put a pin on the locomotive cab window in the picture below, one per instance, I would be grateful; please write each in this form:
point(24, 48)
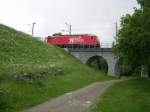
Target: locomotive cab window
point(49, 39)
point(93, 38)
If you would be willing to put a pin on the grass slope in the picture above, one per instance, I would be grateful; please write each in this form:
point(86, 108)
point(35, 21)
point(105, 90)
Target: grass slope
point(20, 52)
point(127, 96)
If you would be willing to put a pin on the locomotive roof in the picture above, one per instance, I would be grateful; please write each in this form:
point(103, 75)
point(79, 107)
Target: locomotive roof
point(80, 35)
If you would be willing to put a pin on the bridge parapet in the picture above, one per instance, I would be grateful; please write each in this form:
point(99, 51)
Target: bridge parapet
point(90, 49)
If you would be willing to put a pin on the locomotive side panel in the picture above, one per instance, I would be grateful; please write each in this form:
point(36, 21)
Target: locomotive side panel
point(73, 40)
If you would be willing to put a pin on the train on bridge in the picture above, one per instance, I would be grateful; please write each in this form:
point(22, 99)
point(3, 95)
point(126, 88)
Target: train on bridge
point(74, 41)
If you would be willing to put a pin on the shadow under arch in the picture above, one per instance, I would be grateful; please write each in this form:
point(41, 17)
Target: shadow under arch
point(98, 63)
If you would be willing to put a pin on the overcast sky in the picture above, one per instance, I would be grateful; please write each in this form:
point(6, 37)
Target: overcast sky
point(86, 16)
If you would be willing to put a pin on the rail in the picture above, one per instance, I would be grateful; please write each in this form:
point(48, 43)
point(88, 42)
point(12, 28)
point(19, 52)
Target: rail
point(104, 47)
point(89, 49)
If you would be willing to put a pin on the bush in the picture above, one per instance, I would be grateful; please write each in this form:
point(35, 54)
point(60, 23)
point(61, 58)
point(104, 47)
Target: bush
point(5, 103)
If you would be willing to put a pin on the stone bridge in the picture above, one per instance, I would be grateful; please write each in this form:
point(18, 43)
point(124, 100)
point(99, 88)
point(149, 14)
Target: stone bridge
point(84, 54)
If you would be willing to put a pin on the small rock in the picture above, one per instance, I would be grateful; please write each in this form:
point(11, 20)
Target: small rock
point(31, 76)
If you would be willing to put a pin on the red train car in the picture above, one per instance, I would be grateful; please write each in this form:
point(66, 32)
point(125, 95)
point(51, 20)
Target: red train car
point(73, 41)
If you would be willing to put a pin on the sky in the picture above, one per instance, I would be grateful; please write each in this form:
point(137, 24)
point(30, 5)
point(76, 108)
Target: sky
point(86, 16)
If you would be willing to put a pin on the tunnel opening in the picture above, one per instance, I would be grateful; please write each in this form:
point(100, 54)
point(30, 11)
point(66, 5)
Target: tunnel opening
point(98, 63)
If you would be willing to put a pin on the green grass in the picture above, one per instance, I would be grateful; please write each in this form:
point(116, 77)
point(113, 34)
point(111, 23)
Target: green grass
point(20, 52)
point(127, 96)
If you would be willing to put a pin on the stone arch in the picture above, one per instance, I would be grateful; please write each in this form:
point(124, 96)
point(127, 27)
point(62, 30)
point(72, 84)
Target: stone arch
point(107, 55)
point(98, 58)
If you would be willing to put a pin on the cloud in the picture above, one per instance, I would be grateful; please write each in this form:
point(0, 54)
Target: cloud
point(86, 16)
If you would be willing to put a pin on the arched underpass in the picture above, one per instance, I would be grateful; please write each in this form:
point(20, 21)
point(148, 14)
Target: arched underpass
point(85, 55)
point(98, 63)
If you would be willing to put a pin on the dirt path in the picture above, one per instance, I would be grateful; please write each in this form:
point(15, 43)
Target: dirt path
point(76, 101)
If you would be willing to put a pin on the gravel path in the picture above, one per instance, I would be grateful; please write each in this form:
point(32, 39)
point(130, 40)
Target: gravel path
point(76, 101)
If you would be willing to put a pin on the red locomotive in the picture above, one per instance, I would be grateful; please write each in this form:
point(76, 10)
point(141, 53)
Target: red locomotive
point(74, 41)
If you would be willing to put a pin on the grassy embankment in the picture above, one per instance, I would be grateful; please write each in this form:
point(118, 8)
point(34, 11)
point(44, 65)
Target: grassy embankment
point(127, 96)
point(20, 53)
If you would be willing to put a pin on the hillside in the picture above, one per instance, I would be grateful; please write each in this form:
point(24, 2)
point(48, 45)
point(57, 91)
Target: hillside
point(23, 55)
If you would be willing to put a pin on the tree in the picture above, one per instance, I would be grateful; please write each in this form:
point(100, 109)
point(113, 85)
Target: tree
point(133, 43)
point(57, 34)
point(144, 3)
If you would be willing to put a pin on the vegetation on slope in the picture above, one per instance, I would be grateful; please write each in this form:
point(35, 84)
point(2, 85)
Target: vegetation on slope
point(21, 53)
point(133, 43)
point(127, 96)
